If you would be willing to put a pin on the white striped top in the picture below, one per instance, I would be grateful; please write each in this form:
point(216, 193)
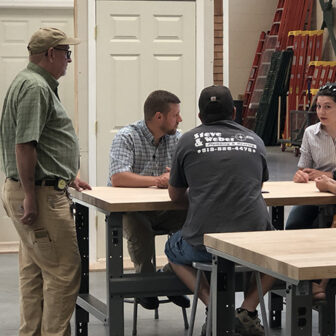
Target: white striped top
point(318, 149)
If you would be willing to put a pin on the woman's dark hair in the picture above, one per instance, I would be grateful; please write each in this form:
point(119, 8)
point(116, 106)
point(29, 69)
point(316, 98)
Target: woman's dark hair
point(328, 90)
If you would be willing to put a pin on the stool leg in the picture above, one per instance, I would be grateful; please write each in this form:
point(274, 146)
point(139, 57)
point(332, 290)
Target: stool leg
point(156, 311)
point(209, 319)
point(194, 304)
point(185, 319)
point(135, 316)
point(262, 303)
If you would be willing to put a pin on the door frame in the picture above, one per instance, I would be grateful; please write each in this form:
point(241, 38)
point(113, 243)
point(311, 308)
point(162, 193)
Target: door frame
point(85, 26)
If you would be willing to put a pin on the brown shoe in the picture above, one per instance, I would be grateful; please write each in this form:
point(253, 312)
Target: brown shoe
point(247, 325)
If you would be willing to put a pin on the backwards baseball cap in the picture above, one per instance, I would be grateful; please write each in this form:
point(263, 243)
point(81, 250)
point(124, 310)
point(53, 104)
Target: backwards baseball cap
point(46, 38)
point(215, 103)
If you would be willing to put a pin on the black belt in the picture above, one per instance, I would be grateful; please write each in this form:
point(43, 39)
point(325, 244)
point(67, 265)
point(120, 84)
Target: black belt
point(58, 183)
point(46, 182)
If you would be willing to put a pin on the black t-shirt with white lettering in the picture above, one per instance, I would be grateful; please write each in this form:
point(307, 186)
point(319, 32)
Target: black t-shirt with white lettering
point(224, 165)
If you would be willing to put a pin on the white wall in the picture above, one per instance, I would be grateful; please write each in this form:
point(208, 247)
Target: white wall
point(328, 51)
point(243, 23)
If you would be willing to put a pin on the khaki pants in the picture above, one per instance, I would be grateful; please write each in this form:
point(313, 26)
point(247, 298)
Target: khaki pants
point(139, 228)
point(49, 261)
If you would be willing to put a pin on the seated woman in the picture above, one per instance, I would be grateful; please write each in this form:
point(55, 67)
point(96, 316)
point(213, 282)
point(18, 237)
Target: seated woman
point(318, 158)
point(325, 184)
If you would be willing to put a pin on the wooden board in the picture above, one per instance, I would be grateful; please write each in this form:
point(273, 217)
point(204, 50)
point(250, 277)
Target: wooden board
point(282, 193)
point(127, 199)
point(146, 199)
point(297, 254)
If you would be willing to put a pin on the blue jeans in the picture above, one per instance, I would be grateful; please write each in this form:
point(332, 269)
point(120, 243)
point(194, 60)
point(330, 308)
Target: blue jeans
point(302, 217)
point(181, 252)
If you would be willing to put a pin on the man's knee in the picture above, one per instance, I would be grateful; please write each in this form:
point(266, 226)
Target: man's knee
point(137, 227)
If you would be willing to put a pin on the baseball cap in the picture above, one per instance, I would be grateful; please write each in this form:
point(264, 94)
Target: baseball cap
point(215, 103)
point(46, 38)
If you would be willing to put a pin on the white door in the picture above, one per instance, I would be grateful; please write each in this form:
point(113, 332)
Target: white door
point(16, 27)
point(142, 46)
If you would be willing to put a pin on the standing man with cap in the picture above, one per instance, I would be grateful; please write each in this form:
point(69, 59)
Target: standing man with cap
point(219, 168)
point(40, 158)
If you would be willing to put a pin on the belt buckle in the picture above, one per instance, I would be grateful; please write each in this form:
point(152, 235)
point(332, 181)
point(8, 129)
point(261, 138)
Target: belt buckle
point(61, 184)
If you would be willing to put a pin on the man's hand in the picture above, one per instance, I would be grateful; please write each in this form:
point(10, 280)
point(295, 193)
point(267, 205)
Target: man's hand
point(314, 174)
point(301, 177)
point(162, 180)
point(29, 210)
point(324, 182)
point(79, 185)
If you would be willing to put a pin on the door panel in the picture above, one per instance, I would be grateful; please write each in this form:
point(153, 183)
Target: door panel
point(142, 46)
point(16, 28)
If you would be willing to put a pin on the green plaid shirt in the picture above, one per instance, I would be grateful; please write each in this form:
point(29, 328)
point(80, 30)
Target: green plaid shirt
point(32, 111)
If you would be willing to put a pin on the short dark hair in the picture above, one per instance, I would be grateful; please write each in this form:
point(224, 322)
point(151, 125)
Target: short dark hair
point(328, 90)
point(215, 103)
point(158, 101)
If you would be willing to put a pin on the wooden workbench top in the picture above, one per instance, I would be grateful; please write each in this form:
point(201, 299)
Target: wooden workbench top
point(127, 199)
point(113, 199)
point(282, 193)
point(297, 254)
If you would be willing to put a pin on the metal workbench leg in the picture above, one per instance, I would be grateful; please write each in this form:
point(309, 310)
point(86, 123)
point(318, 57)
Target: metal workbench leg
point(275, 307)
point(82, 228)
point(223, 299)
point(114, 269)
point(299, 309)
point(275, 302)
point(277, 214)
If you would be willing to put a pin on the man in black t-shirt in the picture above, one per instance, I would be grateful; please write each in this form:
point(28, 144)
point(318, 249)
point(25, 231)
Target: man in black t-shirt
point(219, 168)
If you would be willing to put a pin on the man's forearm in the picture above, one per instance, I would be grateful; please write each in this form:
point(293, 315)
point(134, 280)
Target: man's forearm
point(26, 158)
point(128, 179)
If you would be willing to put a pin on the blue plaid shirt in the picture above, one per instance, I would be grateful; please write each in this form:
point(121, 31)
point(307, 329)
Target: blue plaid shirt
point(133, 150)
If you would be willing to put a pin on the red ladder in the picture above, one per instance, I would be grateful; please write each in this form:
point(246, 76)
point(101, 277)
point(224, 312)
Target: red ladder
point(259, 84)
point(253, 75)
point(306, 45)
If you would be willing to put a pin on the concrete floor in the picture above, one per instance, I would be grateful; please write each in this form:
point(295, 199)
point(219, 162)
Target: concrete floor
point(282, 166)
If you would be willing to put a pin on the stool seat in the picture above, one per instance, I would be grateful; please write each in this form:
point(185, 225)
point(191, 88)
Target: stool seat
point(203, 266)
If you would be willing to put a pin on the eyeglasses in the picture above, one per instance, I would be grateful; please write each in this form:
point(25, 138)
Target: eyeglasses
point(67, 52)
point(329, 86)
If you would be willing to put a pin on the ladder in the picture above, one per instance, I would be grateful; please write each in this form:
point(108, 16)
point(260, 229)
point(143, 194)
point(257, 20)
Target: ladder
point(289, 15)
point(267, 121)
point(252, 78)
point(307, 46)
point(259, 84)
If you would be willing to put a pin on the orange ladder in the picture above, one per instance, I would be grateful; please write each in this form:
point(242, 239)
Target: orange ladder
point(253, 75)
point(307, 45)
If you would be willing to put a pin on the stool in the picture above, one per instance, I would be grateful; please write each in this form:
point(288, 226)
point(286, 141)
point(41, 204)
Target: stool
point(207, 267)
point(156, 311)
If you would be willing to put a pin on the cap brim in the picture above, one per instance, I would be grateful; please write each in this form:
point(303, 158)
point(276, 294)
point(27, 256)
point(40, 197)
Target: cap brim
point(70, 41)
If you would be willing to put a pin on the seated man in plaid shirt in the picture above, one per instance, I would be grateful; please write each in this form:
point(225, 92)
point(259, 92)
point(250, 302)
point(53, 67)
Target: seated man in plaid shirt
point(140, 156)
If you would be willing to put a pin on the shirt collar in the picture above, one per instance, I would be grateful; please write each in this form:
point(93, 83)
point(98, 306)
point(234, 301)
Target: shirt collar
point(148, 134)
point(52, 82)
point(318, 129)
